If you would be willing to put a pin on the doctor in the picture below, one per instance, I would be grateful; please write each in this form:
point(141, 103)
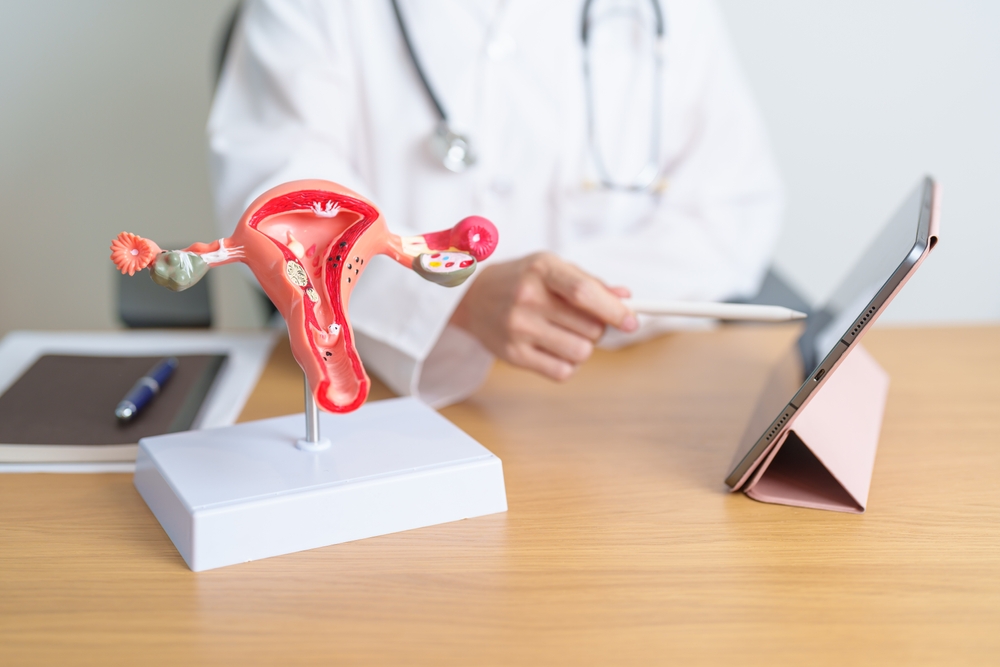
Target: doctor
point(613, 143)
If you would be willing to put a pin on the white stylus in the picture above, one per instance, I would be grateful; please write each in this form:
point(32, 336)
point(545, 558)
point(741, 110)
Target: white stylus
point(720, 311)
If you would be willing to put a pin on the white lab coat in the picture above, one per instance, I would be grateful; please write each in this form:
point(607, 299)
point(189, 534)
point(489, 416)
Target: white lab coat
point(326, 90)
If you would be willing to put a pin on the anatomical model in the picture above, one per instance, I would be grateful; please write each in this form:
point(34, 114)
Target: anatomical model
point(308, 243)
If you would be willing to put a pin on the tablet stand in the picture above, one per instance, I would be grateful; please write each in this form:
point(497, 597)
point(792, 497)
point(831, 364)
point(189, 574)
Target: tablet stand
point(254, 490)
point(826, 456)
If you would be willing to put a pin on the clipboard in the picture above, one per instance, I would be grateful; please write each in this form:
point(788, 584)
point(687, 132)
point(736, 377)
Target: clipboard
point(246, 352)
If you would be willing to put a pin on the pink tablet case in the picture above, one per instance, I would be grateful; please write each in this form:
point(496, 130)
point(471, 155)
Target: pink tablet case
point(825, 456)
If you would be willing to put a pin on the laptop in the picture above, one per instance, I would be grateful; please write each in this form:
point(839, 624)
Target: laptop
point(834, 330)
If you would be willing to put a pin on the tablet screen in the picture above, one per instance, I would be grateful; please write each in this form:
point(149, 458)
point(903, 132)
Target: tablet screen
point(890, 253)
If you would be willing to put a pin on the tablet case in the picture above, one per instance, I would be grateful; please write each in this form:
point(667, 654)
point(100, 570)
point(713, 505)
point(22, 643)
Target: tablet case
point(825, 458)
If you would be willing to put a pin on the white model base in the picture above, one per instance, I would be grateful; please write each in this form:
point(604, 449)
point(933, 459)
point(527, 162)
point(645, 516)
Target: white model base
point(240, 493)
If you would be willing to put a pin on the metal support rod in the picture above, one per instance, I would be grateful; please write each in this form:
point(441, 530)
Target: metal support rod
point(312, 416)
point(312, 442)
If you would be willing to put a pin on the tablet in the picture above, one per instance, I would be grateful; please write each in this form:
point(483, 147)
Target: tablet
point(832, 331)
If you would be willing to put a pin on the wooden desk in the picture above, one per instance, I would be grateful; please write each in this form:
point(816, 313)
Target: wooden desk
point(620, 546)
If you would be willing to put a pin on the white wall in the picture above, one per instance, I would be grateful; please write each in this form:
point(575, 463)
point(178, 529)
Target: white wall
point(103, 106)
point(102, 115)
point(861, 97)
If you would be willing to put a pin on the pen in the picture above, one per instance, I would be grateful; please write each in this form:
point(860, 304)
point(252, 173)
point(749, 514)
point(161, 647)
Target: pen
point(145, 388)
point(721, 311)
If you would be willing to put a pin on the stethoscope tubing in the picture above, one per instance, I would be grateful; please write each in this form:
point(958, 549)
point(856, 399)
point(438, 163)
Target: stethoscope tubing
point(649, 174)
point(661, 24)
point(642, 181)
point(442, 116)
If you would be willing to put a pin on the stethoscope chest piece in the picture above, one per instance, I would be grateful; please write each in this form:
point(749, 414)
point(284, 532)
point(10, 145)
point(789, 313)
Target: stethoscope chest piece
point(452, 149)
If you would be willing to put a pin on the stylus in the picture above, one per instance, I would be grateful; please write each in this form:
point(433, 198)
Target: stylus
point(719, 311)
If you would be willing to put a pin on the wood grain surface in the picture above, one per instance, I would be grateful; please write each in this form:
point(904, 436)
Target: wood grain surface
point(620, 547)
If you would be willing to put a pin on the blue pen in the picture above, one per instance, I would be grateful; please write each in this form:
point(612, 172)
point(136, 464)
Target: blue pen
point(145, 388)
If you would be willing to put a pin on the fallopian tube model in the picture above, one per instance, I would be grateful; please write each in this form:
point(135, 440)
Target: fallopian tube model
point(308, 243)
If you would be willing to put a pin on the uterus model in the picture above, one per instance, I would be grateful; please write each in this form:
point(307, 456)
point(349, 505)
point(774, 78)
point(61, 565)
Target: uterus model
point(308, 243)
point(253, 490)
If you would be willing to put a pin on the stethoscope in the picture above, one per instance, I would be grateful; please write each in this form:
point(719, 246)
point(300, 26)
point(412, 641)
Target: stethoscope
point(455, 152)
point(453, 149)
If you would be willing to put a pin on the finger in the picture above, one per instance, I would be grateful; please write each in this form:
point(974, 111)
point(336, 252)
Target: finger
point(621, 292)
point(561, 343)
point(561, 314)
point(589, 295)
point(533, 359)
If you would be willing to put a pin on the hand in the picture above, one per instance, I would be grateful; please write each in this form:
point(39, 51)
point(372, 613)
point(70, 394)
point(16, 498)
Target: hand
point(541, 313)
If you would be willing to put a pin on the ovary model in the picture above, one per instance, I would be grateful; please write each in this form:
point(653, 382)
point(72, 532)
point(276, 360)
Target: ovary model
point(308, 243)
